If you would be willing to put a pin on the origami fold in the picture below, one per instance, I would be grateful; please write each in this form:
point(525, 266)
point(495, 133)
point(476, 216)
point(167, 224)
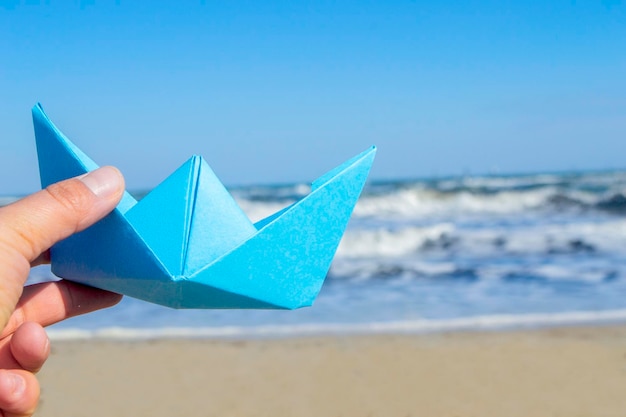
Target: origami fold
point(187, 244)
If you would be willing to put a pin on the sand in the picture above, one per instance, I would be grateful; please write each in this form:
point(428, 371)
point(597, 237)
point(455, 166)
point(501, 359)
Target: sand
point(551, 372)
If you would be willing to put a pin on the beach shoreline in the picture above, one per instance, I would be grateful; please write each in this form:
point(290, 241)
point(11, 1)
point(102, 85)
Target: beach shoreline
point(562, 371)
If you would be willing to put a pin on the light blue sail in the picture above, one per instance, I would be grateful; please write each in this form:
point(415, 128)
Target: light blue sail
point(187, 244)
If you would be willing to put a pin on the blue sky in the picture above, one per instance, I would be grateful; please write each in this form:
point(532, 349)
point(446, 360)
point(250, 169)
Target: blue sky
point(281, 91)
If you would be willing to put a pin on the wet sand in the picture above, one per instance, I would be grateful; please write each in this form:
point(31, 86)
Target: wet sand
point(551, 372)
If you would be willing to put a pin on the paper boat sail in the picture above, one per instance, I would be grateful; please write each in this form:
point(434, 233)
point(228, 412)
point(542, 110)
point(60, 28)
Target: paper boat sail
point(187, 244)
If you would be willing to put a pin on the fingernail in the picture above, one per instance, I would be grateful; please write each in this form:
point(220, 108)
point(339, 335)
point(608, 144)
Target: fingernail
point(103, 182)
point(12, 383)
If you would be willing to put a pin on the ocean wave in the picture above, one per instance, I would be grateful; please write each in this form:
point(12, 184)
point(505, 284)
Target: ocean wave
point(452, 239)
point(616, 203)
point(422, 202)
point(416, 326)
point(370, 269)
point(386, 242)
point(460, 196)
point(475, 270)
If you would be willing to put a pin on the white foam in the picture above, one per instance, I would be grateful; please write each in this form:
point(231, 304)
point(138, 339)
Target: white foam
point(565, 273)
point(490, 322)
point(419, 202)
point(385, 242)
point(607, 236)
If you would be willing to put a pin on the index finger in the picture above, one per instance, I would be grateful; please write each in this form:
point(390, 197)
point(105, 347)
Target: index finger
point(50, 302)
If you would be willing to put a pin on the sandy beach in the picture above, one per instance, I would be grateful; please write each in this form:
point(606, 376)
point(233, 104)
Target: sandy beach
point(549, 372)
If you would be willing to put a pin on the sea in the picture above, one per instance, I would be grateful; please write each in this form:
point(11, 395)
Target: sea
point(429, 255)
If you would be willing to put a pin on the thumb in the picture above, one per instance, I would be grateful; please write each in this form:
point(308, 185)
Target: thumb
point(32, 225)
point(38, 221)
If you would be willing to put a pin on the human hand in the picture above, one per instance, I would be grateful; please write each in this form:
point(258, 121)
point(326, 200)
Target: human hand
point(28, 228)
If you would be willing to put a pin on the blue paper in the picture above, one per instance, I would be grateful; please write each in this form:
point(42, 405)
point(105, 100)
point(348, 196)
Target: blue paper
point(187, 244)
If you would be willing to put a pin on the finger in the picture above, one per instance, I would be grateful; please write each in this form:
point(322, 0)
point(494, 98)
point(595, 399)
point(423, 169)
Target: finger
point(19, 393)
point(42, 219)
point(30, 346)
point(50, 302)
point(32, 225)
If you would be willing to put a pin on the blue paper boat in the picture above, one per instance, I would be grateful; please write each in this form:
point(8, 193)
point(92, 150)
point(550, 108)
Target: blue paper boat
point(187, 244)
